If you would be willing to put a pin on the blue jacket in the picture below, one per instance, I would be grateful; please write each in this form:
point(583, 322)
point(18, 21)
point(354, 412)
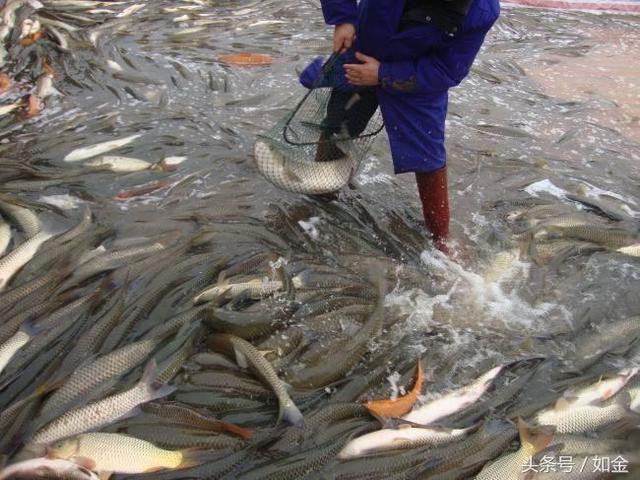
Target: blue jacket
point(419, 65)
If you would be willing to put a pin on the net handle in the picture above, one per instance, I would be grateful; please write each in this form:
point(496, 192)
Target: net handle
point(328, 65)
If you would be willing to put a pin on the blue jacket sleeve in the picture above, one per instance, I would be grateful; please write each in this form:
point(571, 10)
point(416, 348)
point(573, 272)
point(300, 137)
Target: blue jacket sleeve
point(436, 72)
point(337, 12)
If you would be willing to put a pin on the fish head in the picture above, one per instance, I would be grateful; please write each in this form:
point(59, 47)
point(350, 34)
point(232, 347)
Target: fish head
point(64, 449)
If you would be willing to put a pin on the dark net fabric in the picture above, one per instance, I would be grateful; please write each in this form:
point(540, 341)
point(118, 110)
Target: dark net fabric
point(320, 145)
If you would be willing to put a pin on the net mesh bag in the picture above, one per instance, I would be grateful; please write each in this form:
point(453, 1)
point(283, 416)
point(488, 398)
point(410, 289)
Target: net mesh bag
point(319, 146)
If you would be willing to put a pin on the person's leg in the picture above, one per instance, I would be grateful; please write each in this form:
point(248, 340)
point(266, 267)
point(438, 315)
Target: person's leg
point(415, 126)
point(434, 196)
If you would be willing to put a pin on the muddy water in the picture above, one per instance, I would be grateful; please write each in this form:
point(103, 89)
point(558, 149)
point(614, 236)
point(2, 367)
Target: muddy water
point(550, 108)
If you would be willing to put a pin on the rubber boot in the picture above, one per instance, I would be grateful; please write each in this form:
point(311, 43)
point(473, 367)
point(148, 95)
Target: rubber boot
point(434, 195)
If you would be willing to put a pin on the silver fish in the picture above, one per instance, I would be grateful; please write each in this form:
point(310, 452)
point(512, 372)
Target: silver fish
point(14, 261)
point(9, 348)
point(454, 401)
point(98, 149)
point(104, 412)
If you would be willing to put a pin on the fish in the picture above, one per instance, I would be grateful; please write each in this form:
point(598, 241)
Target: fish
point(403, 437)
point(453, 402)
point(299, 176)
point(602, 235)
point(593, 345)
point(49, 468)
point(568, 418)
point(146, 189)
point(532, 441)
point(246, 356)
point(5, 237)
point(171, 436)
point(113, 259)
point(97, 374)
point(186, 415)
point(14, 261)
point(599, 391)
point(346, 355)
point(127, 164)
point(327, 415)
point(256, 289)
point(44, 86)
point(9, 348)
point(103, 412)
point(214, 468)
point(568, 444)
point(631, 250)
point(25, 219)
point(117, 453)
point(399, 406)
point(98, 149)
point(130, 10)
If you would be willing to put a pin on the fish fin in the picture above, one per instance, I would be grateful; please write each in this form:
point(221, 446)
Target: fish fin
point(148, 379)
point(85, 462)
point(625, 401)
point(245, 433)
point(241, 359)
point(292, 415)
point(192, 457)
point(150, 373)
point(291, 174)
point(535, 438)
point(562, 403)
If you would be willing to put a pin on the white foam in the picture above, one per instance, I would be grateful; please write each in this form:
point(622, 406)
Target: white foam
point(310, 228)
point(470, 292)
point(396, 390)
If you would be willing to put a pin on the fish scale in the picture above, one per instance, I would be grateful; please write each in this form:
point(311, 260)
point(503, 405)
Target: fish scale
point(114, 452)
point(12, 262)
point(25, 219)
point(91, 376)
point(102, 412)
point(170, 436)
point(247, 356)
point(586, 418)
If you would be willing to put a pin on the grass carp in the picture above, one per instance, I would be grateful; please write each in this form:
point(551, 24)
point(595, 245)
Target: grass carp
point(302, 177)
point(246, 356)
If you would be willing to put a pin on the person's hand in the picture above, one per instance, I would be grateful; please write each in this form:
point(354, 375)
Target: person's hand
point(343, 37)
point(363, 74)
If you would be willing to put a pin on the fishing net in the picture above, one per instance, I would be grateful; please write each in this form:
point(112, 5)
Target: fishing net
point(319, 146)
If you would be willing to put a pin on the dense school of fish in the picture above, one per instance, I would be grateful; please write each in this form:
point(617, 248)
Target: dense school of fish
point(238, 349)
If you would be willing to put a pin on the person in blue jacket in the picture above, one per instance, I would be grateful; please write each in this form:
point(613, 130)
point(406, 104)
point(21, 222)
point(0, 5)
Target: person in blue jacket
point(409, 53)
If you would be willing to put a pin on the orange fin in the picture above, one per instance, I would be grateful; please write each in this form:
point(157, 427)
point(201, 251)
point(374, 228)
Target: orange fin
point(535, 439)
point(400, 406)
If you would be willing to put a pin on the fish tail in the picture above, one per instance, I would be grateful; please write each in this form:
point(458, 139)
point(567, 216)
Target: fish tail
point(148, 381)
point(534, 439)
point(291, 414)
point(245, 433)
point(192, 457)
